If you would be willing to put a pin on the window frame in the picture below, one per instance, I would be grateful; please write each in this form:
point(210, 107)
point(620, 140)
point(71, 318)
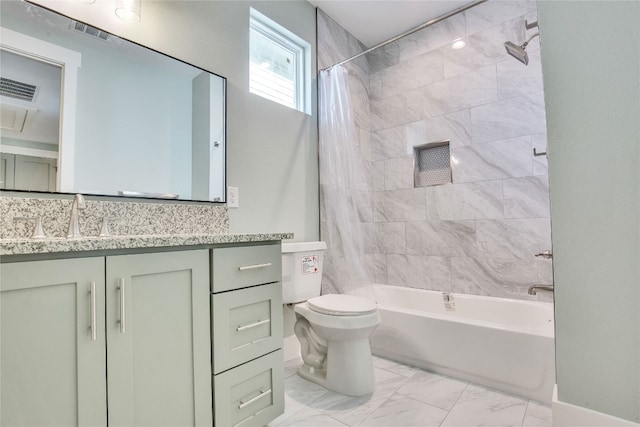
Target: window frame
point(298, 47)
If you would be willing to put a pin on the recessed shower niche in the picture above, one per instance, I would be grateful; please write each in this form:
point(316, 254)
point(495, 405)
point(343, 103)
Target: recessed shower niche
point(432, 164)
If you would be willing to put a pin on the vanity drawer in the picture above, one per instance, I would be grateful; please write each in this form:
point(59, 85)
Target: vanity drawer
point(246, 324)
point(243, 266)
point(251, 394)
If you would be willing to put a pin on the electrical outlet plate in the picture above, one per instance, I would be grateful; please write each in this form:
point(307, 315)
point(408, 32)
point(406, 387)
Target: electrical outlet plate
point(233, 197)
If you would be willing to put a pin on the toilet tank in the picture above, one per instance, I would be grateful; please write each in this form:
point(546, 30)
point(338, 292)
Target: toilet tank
point(301, 270)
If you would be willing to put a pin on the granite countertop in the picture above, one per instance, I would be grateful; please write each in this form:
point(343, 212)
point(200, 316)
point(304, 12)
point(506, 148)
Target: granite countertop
point(60, 244)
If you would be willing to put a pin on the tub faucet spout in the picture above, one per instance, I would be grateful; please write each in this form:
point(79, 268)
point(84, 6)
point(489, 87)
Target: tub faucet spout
point(74, 224)
point(533, 290)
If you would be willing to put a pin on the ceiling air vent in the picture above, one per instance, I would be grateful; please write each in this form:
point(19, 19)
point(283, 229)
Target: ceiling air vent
point(88, 30)
point(17, 90)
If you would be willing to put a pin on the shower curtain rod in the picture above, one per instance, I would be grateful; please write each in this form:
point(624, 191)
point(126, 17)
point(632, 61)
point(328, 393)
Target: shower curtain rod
point(411, 31)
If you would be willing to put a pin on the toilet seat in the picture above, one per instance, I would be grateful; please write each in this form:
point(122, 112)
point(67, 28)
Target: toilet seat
point(342, 305)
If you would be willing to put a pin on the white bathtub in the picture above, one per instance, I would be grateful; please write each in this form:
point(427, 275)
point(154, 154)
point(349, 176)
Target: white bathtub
point(500, 343)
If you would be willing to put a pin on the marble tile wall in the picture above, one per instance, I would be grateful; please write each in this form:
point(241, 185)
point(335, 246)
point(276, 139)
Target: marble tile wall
point(479, 234)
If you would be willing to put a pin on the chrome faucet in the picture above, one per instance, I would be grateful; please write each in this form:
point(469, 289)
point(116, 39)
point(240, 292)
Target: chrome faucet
point(533, 290)
point(74, 225)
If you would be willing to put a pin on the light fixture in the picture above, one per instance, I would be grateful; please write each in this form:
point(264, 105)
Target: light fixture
point(458, 44)
point(128, 10)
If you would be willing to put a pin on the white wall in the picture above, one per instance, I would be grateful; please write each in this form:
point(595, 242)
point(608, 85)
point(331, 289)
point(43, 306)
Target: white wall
point(153, 159)
point(591, 68)
point(272, 150)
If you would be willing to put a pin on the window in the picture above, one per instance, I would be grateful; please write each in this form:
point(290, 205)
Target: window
point(280, 64)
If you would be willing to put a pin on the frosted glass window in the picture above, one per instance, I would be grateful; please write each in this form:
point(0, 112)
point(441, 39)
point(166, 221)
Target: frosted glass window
point(432, 164)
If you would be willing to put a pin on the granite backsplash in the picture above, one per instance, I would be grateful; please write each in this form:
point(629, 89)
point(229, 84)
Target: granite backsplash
point(126, 218)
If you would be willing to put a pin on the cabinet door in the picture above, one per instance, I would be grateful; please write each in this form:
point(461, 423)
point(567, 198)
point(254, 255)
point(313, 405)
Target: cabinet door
point(7, 165)
point(52, 363)
point(159, 350)
point(35, 173)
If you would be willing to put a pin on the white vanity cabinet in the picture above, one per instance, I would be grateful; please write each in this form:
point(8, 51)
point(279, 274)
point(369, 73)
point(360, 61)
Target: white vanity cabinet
point(126, 335)
point(246, 322)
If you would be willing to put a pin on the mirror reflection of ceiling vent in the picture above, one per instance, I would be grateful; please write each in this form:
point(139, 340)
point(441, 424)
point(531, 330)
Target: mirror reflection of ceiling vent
point(88, 30)
point(14, 118)
point(17, 90)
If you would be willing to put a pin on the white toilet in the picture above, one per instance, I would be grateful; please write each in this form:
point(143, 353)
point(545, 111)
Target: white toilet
point(333, 329)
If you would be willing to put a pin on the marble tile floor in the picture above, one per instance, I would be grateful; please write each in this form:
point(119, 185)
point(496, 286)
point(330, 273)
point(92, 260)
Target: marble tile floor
point(405, 397)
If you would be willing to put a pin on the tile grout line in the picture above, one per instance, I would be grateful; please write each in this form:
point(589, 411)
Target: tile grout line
point(524, 416)
point(455, 403)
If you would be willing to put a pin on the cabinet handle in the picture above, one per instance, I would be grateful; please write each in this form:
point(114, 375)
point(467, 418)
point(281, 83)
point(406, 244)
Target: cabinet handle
point(250, 401)
point(122, 306)
point(94, 331)
point(253, 325)
point(254, 266)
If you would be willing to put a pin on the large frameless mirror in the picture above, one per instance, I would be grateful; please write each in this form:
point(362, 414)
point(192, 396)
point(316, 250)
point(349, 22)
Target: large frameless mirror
point(84, 111)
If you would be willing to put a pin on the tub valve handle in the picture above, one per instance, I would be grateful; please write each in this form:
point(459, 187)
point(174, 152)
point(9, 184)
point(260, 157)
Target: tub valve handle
point(546, 254)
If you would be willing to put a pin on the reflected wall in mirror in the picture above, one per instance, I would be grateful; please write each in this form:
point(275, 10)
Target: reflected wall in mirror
point(97, 114)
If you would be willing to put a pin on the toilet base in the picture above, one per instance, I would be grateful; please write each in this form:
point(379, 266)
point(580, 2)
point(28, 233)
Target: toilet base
point(349, 368)
point(337, 347)
point(315, 375)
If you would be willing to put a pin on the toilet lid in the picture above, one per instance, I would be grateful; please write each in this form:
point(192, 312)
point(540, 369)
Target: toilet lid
point(342, 305)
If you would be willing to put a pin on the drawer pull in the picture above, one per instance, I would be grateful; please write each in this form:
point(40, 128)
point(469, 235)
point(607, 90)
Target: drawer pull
point(254, 266)
point(94, 318)
point(253, 325)
point(254, 399)
point(122, 306)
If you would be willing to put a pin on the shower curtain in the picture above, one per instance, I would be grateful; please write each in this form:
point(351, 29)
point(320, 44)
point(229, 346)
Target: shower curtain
point(342, 184)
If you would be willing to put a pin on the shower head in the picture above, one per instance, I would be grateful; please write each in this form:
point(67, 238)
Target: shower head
point(517, 52)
